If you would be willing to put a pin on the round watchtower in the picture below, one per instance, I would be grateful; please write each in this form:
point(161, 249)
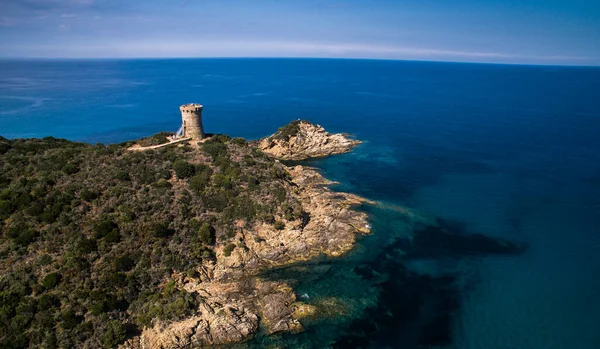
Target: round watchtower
point(191, 117)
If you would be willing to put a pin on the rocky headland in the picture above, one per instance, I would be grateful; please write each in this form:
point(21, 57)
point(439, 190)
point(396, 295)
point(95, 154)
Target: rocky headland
point(164, 245)
point(236, 302)
point(301, 140)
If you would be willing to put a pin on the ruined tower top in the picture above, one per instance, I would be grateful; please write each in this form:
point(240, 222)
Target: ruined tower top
point(191, 117)
point(191, 107)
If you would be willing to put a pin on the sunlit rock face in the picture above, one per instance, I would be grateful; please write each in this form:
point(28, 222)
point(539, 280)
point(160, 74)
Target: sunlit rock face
point(300, 140)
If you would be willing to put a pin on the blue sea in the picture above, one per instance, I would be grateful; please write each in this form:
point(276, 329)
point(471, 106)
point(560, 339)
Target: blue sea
point(509, 152)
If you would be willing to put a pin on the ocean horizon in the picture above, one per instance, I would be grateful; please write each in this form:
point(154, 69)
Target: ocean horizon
point(505, 151)
point(174, 58)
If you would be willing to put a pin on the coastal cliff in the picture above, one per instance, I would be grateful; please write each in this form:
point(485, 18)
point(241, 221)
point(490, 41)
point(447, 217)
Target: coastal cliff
point(300, 140)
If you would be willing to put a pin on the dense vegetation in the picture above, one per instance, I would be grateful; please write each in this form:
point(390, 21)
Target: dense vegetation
point(90, 235)
point(159, 138)
point(290, 130)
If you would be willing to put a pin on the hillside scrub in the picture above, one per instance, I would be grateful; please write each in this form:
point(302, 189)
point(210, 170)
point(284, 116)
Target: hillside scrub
point(90, 234)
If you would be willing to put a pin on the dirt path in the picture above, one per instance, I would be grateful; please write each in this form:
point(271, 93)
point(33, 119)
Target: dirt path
point(137, 147)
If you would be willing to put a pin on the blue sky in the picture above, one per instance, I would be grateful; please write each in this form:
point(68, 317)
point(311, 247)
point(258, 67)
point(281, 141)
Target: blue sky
point(526, 31)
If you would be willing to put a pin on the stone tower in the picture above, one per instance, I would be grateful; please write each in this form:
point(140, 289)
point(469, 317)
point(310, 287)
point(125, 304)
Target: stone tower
point(191, 116)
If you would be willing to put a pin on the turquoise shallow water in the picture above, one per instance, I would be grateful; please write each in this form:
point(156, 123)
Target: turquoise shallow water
point(506, 151)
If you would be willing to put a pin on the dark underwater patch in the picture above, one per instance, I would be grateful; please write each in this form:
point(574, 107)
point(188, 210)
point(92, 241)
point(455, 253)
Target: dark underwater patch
point(451, 240)
point(415, 310)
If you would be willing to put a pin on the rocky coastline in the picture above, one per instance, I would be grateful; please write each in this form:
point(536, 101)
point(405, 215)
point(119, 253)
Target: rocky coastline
point(237, 303)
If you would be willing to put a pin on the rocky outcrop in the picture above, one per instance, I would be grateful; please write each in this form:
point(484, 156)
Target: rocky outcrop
point(331, 226)
point(301, 140)
point(215, 325)
point(229, 313)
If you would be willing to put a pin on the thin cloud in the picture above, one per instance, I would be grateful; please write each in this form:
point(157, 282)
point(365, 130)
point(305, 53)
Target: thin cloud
point(198, 48)
point(383, 50)
point(401, 52)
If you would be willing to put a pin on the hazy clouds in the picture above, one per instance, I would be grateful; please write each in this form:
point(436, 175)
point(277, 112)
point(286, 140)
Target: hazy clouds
point(555, 32)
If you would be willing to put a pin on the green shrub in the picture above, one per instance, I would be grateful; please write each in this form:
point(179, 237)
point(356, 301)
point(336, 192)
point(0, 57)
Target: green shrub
point(249, 160)
point(164, 174)
point(224, 163)
point(287, 131)
point(229, 233)
point(124, 263)
point(216, 200)
point(163, 183)
point(228, 249)
point(220, 138)
point(223, 181)
point(267, 217)
point(70, 169)
point(44, 260)
point(76, 263)
point(206, 234)
point(279, 225)
point(48, 301)
point(85, 245)
point(4, 146)
point(123, 176)
point(241, 207)
point(88, 195)
point(202, 179)
point(253, 183)
point(239, 141)
point(105, 227)
point(101, 302)
point(114, 334)
point(157, 139)
point(170, 304)
point(183, 169)
point(161, 230)
point(215, 150)
point(290, 212)
point(279, 193)
point(50, 280)
point(69, 319)
point(26, 237)
point(112, 237)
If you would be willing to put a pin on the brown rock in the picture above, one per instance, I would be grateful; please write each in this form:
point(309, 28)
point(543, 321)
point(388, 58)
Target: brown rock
point(214, 325)
point(309, 141)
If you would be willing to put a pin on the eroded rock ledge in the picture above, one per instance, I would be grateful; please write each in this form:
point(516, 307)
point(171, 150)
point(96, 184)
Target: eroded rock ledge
point(300, 140)
point(237, 302)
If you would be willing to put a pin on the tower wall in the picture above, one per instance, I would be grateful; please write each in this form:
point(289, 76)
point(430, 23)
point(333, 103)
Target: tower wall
point(191, 117)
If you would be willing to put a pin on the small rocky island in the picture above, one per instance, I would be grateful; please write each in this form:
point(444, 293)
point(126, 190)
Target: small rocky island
point(301, 140)
point(163, 247)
